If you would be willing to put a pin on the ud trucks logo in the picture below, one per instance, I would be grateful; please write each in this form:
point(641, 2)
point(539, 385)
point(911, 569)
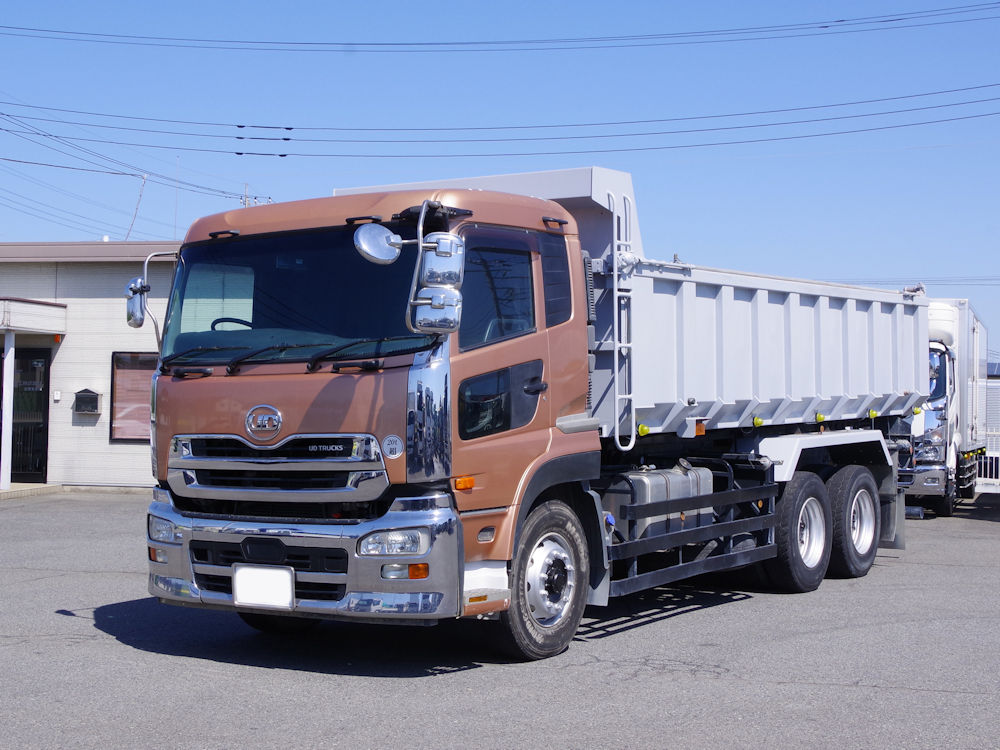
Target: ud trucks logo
point(263, 421)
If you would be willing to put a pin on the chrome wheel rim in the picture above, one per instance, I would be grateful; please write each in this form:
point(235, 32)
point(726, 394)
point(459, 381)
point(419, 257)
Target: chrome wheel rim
point(549, 580)
point(862, 521)
point(812, 532)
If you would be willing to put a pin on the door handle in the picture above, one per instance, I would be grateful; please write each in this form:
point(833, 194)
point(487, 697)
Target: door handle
point(535, 386)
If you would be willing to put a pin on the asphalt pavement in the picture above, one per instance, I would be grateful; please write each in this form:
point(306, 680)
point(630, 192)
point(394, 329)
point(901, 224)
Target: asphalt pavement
point(908, 657)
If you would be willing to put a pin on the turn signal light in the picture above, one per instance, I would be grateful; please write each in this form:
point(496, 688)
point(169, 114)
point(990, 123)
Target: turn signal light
point(465, 483)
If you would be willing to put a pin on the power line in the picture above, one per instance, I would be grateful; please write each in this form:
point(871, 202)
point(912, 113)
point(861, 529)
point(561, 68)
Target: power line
point(74, 196)
point(91, 155)
point(54, 214)
point(410, 141)
point(904, 20)
point(624, 149)
point(453, 129)
point(66, 166)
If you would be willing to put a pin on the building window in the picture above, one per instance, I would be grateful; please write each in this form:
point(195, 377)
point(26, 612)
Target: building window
point(131, 376)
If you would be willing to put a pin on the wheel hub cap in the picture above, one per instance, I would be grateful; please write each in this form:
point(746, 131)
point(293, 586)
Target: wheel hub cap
point(549, 580)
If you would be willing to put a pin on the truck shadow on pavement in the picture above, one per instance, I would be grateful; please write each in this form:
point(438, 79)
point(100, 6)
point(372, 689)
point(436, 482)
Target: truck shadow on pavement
point(390, 651)
point(986, 507)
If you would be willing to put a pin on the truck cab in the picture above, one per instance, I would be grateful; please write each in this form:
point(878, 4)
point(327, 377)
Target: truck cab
point(947, 439)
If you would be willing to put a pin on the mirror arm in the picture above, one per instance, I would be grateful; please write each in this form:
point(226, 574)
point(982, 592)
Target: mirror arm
point(145, 288)
point(412, 301)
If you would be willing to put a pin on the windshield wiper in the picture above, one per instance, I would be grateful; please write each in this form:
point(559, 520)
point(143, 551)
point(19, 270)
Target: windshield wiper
point(235, 362)
point(165, 363)
point(333, 352)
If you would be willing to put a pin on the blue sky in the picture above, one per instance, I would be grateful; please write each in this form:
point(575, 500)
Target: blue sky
point(899, 203)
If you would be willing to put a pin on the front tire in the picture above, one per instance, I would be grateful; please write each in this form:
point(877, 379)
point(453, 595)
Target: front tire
point(945, 506)
point(857, 521)
point(550, 577)
point(803, 535)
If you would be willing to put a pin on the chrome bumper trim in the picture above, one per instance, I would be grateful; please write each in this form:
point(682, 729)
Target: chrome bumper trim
point(366, 594)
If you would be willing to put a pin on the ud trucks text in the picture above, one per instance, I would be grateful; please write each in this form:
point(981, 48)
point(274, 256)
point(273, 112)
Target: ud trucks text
point(950, 434)
point(481, 399)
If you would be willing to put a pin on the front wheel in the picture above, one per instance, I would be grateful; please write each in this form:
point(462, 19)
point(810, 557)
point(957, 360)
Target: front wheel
point(945, 506)
point(802, 534)
point(549, 581)
point(857, 520)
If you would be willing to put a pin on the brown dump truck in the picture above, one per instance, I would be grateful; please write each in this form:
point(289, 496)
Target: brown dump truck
point(481, 399)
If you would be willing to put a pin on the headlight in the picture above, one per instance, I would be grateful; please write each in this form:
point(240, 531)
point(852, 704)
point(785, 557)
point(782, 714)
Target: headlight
point(162, 530)
point(934, 436)
point(930, 453)
point(397, 542)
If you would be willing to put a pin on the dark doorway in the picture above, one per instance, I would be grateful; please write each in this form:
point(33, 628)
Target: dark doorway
point(30, 450)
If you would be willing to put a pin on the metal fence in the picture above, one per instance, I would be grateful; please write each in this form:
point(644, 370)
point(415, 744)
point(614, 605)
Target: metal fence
point(989, 465)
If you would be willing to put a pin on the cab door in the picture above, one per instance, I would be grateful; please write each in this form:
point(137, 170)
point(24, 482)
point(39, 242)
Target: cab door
point(501, 416)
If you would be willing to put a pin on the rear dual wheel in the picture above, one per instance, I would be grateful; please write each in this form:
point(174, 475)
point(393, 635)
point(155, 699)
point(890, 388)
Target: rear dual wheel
point(803, 535)
point(857, 521)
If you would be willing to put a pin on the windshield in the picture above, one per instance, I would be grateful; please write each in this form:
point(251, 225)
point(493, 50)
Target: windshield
point(287, 297)
point(938, 374)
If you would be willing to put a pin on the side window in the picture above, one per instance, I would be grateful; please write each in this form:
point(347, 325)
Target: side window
point(497, 299)
point(498, 401)
point(555, 279)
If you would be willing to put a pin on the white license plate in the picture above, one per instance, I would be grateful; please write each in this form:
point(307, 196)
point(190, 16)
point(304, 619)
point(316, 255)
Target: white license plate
point(260, 586)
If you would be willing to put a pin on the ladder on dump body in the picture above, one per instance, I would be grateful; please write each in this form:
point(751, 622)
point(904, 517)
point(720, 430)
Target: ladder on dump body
point(621, 245)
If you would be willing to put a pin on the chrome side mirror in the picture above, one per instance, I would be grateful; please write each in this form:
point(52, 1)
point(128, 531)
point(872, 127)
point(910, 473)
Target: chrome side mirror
point(437, 310)
point(135, 305)
point(437, 305)
point(377, 244)
point(444, 261)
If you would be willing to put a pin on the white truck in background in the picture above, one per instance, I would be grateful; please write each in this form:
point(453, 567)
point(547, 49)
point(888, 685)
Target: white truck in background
point(950, 434)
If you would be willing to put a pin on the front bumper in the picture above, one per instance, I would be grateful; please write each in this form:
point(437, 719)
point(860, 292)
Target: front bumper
point(924, 479)
point(331, 580)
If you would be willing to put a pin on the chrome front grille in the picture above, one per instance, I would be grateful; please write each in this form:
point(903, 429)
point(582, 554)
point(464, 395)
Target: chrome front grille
point(302, 469)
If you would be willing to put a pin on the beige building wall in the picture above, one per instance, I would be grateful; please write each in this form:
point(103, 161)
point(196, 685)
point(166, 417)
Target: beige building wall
point(80, 450)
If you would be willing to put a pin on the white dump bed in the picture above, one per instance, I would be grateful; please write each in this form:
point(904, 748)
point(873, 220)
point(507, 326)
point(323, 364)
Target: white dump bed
point(726, 348)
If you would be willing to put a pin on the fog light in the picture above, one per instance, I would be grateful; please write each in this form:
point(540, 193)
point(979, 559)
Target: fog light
point(162, 530)
point(397, 571)
point(393, 571)
point(396, 542)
